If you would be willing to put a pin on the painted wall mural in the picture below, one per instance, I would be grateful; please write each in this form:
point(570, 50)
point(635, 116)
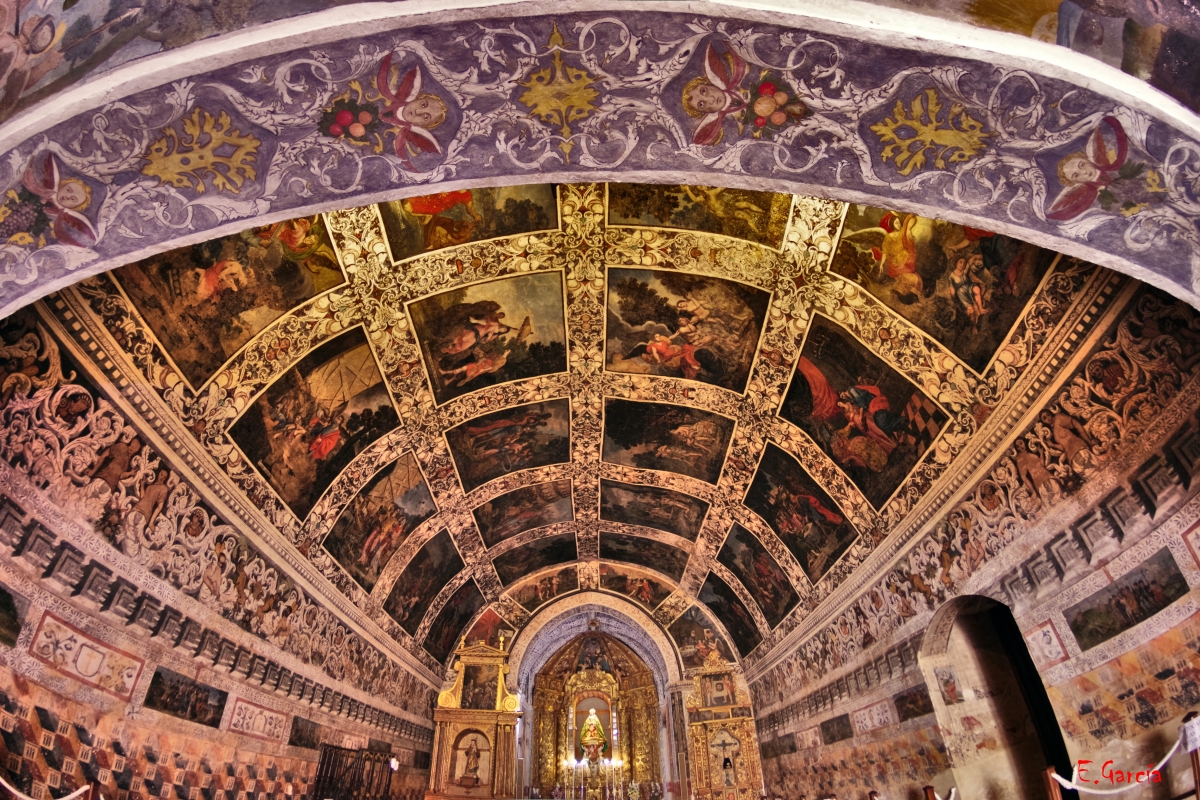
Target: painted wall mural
point(492, 332)
point(311, 422)
point(205, 302)
point(524, 509)
point(661, 436)
point(645, 589)
point(697, 638)
point(379, 519)
point(652, 507)
point(450, 624)
point(434, 566)
point(1133, 598)
point(732, 612)
point(514, 439)
point(871, 420)
point(964, 287)
point(544, 552)
point(800, 512)
point(432, 222)
point(186, 698)
point(759, 573)
point(539, 590)
point(100, 466)
point(876, 121)
point(660, 556)
point(662, 322)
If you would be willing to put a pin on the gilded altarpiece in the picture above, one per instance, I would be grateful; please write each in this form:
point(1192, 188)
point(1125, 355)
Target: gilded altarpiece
point(721, 736)
point(474, 745)
point(595, 673)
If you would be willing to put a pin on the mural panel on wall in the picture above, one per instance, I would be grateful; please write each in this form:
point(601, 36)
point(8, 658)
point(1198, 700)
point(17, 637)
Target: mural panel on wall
point(727, 607)
point(670, 561)
point(697, 639)
point(306, 734)
point(866, 416)
point(419, 225)
point(760, 217)
point(962, 286)
point(524, 509)
point(652, 507)
point(682, 325)
point(206, 301)
point(434, 565)
point(661, 436)
point(186, 698)
point(800, 512)
point(450, 623)
point(537, 591)
point(315, 418)
point(379, 519)
point(489, 628)
point(522, 437)
point(88, 660)
point(643, 588)
point(492, 332)
point(13, 608)
point(540, 553)
point(744, 555)
point(1134, 597)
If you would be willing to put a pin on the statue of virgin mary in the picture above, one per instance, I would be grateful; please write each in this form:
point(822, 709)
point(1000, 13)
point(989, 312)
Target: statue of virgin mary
point(591, 736)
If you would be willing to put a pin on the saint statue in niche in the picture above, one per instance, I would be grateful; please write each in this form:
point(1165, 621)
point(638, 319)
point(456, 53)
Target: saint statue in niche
point(471, 765)
point(591, 736)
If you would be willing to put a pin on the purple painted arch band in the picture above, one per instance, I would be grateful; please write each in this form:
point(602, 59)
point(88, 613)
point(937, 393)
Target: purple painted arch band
point(410, 104)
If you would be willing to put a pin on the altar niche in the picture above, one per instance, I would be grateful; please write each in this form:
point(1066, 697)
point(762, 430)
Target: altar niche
point(596, 722)
point(474, 742)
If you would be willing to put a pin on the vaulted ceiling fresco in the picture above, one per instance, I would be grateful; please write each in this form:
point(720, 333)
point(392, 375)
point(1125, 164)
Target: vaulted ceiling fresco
point(379, 104)
point(731, 408)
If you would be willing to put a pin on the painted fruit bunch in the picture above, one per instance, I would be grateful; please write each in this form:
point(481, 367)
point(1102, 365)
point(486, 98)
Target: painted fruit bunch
point(773, 109)
point(350, 120)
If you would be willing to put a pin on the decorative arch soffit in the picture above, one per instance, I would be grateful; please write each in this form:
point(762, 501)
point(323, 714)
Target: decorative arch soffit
point(561, 621)
point(1022, 138)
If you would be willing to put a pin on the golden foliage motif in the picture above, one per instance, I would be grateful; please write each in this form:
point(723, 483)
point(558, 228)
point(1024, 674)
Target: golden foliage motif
point(209, 147)
point(560, 94)
point(955, 139)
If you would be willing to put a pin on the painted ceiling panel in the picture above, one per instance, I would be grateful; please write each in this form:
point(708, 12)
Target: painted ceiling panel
point(720, 424)
point(1006, 137)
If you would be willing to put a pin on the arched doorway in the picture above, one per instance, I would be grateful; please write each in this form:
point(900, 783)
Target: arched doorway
point(998, 725)
point(595, 700)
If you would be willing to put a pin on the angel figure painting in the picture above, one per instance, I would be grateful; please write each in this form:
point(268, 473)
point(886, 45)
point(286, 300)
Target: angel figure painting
point(866, 416)
point(962, 286)
point(522, 437)
point(447, 628)
point(378, 520)
point(524, 509)
point(666, 437)
point(315, 418)
point(645, 552)
point(697, 639)
point(492, 332)
point(206, 301)
point(642, 588)
point(536, 592)
point(680, 325)
point(728, 607)
point(744, 555)
point(419, 225)
point(430, 569)
point(652, 507)
point(538, 554)
point(759, 217)
point(800, 512)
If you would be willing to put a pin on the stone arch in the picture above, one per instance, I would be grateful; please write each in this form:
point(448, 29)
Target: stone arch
point(299, 169)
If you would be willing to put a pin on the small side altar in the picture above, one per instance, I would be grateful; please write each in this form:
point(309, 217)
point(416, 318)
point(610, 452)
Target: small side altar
point(474, 737)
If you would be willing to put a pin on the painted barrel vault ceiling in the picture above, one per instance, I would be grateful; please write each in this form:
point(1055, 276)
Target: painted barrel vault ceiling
point(735, 409)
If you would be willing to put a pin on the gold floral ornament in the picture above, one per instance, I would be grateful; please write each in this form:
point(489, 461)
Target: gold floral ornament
point(915, 131)
point(209, 147)
point(560, 94)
